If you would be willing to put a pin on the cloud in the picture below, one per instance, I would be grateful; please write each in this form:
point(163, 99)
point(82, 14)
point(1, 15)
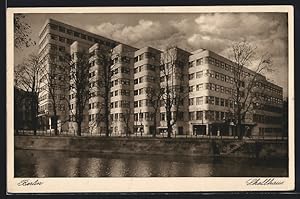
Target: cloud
point(237, 26)
point(216, 32)
point(144, 31)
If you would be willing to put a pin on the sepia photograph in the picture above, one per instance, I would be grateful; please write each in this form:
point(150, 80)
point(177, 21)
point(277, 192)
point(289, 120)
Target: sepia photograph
point(193, 96)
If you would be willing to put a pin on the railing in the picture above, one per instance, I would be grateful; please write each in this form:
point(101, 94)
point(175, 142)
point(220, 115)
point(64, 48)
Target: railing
point(143, 135)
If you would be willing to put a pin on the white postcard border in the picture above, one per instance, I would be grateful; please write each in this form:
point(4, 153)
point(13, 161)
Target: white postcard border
point(144, 184)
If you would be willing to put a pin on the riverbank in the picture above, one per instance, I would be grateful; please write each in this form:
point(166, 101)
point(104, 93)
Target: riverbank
point(155, 146)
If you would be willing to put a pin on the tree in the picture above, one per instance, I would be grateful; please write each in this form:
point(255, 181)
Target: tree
point(127, 119)
point(173, 88)
point(79, 85)
point(103, 57)
point(22, 32)
point(246, 84)
point(54, 83)
point(154, 95)
point(27, 78)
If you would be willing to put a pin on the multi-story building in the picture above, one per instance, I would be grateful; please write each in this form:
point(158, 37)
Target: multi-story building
point(146, 83)
point(199, 84)
point(174, 89)
point(212, 87)
point(121, 93)
point(55, 39)
point(78, 79)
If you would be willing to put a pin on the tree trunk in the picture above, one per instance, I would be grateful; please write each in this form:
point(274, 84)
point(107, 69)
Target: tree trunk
point(55, 121)
point(239, 128)
point(106, 115)
point(33, 113)
point(155, 124)
point(169, 126)
point(79, 128)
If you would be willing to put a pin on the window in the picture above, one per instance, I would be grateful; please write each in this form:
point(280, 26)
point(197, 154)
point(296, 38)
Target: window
point(213, 87)
point(136, 104)
point(69, 32)
point(141, 57)
point(191, 115)
point(125, 70)
point(140, 68)
point(141, 91)
point(141, 116)
point(222, 115)
point(125, 59)
point(199, 100)
point(53, 26)
point(136, 92)
point(217, 101)
point(116, 82)
point(62, 29)
point(222, 89)
point(226, 66)
point(191, 101)
point(83, 36)
point(226, 103)
point(150, 67)
point(162, 116)
point(191, 76)
point(136, 116)
point(61, 48)
point(69, 41)
point(217, 88)
point(199, 74)
point(199, 115)
point(199, 61)
point(90, 38)
point(220, 64)
point(191, 88)
point(222, 102)
point(199, 87)
point(76, 34)
point(141, 80)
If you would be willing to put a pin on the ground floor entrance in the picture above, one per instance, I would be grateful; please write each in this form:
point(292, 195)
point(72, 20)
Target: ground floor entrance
point(199, 129)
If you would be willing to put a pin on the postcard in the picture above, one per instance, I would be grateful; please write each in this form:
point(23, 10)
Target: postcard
point(150, 99)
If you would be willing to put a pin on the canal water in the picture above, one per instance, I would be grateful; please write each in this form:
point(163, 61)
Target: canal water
point(33, 163)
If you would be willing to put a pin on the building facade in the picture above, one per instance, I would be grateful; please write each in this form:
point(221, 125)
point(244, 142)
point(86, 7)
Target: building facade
point(146, 83)
point(55, 39)
point(25, 110)
point(147, 86)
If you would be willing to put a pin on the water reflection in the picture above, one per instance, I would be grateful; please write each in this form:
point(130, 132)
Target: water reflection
point(29, 163)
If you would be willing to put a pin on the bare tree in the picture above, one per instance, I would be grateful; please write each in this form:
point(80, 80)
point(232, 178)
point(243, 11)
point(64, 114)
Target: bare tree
point(173, 89)
point(127, 115)
point(27, 78)
point(246, 84)
point(103, 84)
point(54, 83)
point(154, 95)
point(22, 32)
point(79, 85)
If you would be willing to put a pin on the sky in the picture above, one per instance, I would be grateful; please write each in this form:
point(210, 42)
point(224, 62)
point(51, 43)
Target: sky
point(213, 31)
